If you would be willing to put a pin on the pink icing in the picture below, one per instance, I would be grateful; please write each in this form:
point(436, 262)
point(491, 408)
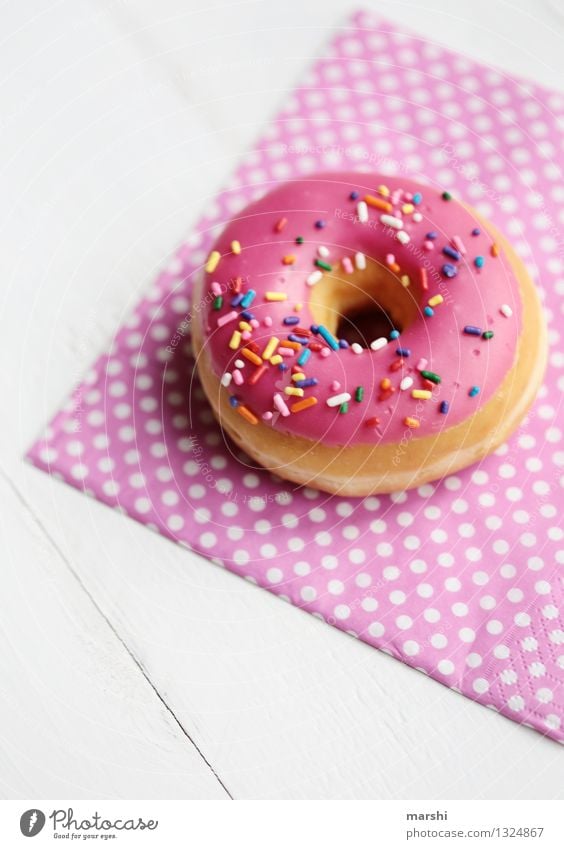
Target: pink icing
point(473, 297)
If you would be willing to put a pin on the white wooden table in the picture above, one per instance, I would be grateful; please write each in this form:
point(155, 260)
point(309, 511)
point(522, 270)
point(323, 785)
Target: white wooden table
point(131, 668)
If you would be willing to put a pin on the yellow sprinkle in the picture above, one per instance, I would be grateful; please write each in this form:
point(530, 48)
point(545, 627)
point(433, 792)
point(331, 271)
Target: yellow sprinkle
point(424, 394)
point(435, 300)
point(276, 360)
point(405, 281)
point(298, 376)
point(244, 325)
point(289, 259)
point(270, 347)
point(213, 261)
point(411, 422)
point(235, 247)
point(407, 208)
point(384, 190)
point(294, 390)
point(235, 340)
point(298, 307)
point(275, 296)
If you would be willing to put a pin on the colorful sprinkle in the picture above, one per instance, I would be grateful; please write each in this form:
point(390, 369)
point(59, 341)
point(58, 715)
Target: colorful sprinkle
point(403, 237)
point(216, 288)
point(314, 278)
point(280, 404)
point(213, 261)
point(428, 311)
point(320, 224)
point(294, 390)
point(337, 400)
point(405, 281)
point(374, 421)
point(251, 356)
point(459, 245)
point(443, 407)
point(494, 250)
point(218, 303)
point(344, 408)
point(391, 221)
point(487, 334)
point(403, 352)
point(289, 259)
point(446, 196)
point(362, 212)
point(417, 198)
point(432, 235)
point(270, 348)
point(248, 298)
point(304, 404)
point(290, 320)
point(226, 379)
point(309, 381)
point(275, 296)
point(421, 394)
point(479, 261)
point(360, 261)
point(452, 253)
point(435, 300)
point(475, 232)
point(359, 393)
point(378, 203)
point(423, 278)
point(506, 310)
point(235, 247)
point(406, 383)
point(280, 224)
point(470, 330)
point(304, 357)
point(473, 391)
point(410, 421)
point(320, 263)
point(449, 270)
point(347, 265)
point(430, 375)
point(225, 319)
point(328, 337)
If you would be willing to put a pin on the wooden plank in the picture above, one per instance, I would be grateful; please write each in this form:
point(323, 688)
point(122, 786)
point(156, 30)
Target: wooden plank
point(80, 717)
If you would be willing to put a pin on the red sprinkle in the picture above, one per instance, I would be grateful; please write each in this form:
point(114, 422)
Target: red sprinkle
point(372, 422)
point(257, 374)
point(316, 346)
point(397, 364)
point(237, 284)
point(387, 393)
point(280, 225)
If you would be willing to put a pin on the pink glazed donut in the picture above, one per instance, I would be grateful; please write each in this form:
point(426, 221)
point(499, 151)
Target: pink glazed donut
point(364, 334)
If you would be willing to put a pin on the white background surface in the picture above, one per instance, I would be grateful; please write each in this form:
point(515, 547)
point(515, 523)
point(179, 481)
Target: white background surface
point(131, 668)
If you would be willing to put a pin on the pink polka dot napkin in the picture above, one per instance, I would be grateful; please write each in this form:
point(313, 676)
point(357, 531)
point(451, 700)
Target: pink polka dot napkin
point(461, 579)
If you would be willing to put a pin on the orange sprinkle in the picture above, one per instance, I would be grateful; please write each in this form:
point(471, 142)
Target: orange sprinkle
point(237, 284)
point(246, 413)
point(295, 345)
point(257, 374)
point(378, 203)
point(494, 250)
point(411, 422)
point(395, 268)
point(251, 357)
point(303, 404)
point(385, 383)
point(289, 259)
point(423, 278)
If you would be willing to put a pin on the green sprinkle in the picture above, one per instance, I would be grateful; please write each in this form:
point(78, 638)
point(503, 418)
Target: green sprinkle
point(446, 196)
point(218, 302)
point(344, 408)
point(324, 265)
point(487, 334)
point(430, 375)
point(359, 394)
point(299, 240)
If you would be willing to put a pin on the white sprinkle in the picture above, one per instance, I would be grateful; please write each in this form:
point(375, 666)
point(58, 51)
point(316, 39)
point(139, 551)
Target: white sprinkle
point(337, 400)
point(379, 343)
point(314, 278)
point(362, 212)
point(280, 404)
point(239, 364)
point(406, 383)
point(358, 349)
point(506, 310)
point(360, 261)
point(459, 245)
point(323, 251)
point(391, 221)
point(226, 379)
point(403, 237)
point(417, 217)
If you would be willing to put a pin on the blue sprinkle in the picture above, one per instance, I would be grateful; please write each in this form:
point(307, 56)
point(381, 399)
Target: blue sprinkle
point(247, 315)
point(432, 235)
point(328, 337)
point(443, 407)
point(449, 270)
point(304, 357)
point(233, 401)
point(429, 311)
point(314, 328)
point(292, 319)
point(475, 390)
point(354, 195)
point(417, 198)
point(403, 352)
point(476, 231)
point(310, 381)
point(293, 338)
point(237, 300)
point(479, 262)
point(451, 252)
point(394, 334)
point(248, 298)
point(320, 224)
point(470, 330)
point(282, 366)
point(343, 343)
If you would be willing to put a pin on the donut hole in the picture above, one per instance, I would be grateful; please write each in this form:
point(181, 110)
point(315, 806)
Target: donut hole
point(366, 305)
